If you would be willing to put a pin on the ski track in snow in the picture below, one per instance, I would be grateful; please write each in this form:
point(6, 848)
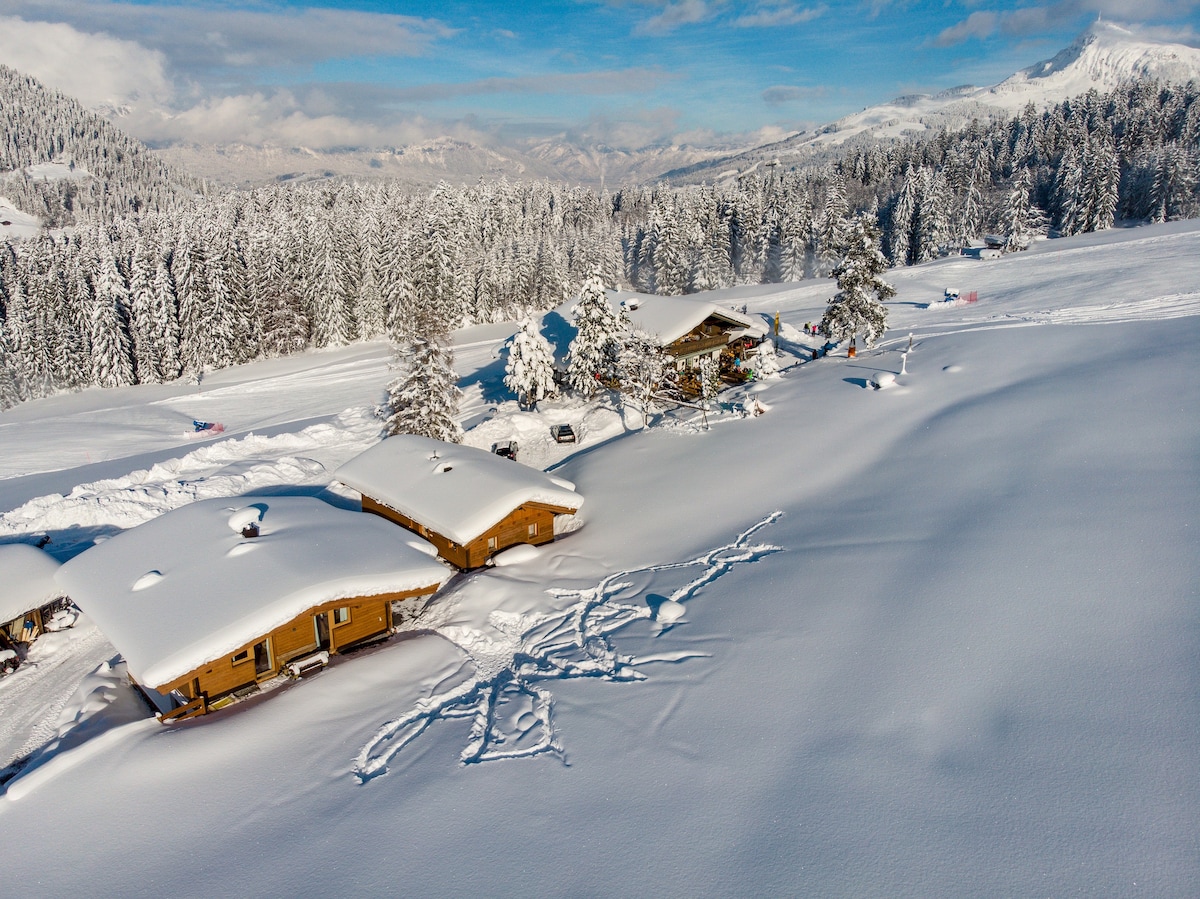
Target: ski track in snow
point(33, 697)
point(510, 706)
point(1161, 308)
point(217, 469)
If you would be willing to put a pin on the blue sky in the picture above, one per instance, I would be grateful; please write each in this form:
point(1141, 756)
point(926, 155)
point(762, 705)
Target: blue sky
point(626, 72)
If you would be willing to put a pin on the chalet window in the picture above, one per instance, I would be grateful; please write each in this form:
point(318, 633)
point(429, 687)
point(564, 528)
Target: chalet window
point(491, 543)
point(241, 656)
point(533, 530)
point(342, 615)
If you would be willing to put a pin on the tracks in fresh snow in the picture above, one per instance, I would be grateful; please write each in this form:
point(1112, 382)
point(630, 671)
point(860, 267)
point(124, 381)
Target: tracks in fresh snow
point(518, 658)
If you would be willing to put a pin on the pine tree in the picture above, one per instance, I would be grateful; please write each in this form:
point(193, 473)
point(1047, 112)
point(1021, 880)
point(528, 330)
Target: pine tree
point(529, 372)
point(932, 231)
point(592, 356)
point(1171, 190)
point(112, 359)
point(766, 363)
point(858, 308)
point(1022, 219)
point(146, 351)
point(710, 379)
point(10, 388)
point(832, 238)
point(904, 218)
point(423, 399)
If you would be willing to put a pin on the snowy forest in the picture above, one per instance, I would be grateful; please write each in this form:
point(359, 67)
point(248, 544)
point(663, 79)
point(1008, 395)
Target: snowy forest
point(146, 279)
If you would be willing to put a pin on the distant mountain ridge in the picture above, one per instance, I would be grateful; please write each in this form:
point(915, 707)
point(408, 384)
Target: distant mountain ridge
point(1102, 58)
point(557, 158)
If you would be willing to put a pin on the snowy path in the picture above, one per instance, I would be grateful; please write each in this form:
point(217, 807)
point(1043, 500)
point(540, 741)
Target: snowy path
point(32, 698)
point(509, 702)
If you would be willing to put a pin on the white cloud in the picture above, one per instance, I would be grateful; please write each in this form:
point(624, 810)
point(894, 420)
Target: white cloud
point(777, 15)
point(783, 94)
point(677, 13)
point(93, 68)
point(283, 119)
point(205, 37)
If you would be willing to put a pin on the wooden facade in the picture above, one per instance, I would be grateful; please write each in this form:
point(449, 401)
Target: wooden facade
point(530, 522)
point(332, 627)
point(28, 627)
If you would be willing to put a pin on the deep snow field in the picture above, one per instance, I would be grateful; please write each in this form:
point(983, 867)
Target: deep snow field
point(938, 639)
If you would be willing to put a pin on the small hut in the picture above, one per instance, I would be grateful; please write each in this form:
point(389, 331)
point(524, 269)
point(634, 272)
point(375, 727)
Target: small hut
point(29, 595)
point(467, 502)
point(209, 601)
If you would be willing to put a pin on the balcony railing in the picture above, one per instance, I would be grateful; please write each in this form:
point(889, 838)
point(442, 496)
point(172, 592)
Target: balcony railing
point(688, 346)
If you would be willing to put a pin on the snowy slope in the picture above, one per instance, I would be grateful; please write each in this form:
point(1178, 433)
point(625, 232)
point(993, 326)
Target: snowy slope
point(938, 639)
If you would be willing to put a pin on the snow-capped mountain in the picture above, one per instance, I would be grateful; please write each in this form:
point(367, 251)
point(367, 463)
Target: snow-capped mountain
point(1103, 57)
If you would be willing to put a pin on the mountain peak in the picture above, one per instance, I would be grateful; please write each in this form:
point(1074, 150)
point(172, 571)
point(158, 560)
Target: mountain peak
point(1102, 57)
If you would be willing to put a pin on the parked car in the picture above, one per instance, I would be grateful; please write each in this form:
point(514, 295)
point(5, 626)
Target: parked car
point(562, 434)
point(506, 448)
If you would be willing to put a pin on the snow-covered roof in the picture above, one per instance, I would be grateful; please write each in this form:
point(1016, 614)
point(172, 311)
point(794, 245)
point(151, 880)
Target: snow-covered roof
point(669, 318)
point(26, 579)
point(187, 588)
point(456, 491)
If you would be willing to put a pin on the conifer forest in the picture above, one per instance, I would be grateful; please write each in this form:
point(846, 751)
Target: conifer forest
point(144, 275)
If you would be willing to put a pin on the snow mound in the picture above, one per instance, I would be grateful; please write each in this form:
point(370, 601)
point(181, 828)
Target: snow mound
point(883, 380)
point(670, 611)
point(244, 518)
point(522, 552)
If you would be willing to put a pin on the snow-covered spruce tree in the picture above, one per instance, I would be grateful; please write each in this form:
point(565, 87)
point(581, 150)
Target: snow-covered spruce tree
point(1173, 184)
point(529, 372)
point(592, 356)
point(424, 397)
point(710, 379)
point(10, 391)
point(643, 369)
point(1022, 220)
point(858, 308)
point(112, 357)
point(766, 363)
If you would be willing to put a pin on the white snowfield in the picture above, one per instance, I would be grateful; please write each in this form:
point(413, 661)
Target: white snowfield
point(188, 587)
point(935, 640)
point(458, 491)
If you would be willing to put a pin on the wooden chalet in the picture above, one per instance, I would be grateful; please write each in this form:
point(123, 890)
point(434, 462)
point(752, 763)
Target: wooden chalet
point(469, 503)
point(688, 328)
point(211, 600)
point(29, 595)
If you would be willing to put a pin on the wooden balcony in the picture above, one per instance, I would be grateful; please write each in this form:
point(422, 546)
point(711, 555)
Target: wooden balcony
point(690, 345)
